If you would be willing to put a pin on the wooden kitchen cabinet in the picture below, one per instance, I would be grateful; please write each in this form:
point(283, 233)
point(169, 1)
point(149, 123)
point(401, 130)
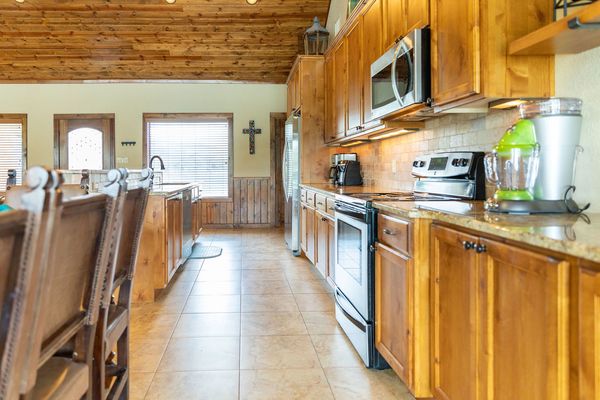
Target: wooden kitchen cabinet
point(340, 83)
point(303, 231)
point(294, 92)
point(500, 312)
point(392, 308)
point(416, 14)
point(469, 41)
point(331, 250)
point(322, 244)
point(588, 348)
point(403, 16)
point(174, 235)
point(372, 50)
point(354, 94)
point(311, 248)
point(330, 112)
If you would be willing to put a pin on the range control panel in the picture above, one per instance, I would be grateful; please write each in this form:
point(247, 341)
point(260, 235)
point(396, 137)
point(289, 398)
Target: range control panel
point(445, 165)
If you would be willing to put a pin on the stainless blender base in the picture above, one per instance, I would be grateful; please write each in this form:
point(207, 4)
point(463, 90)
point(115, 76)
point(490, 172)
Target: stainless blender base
point(531, 207)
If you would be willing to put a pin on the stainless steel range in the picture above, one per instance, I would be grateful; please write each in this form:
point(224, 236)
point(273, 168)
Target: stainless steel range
point(440, 177)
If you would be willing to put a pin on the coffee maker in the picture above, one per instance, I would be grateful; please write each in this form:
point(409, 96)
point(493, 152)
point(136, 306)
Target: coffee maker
point(533, 165)
point(336, 161)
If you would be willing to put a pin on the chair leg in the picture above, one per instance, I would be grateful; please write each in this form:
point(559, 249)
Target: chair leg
point(98, 387)
point(123, 360)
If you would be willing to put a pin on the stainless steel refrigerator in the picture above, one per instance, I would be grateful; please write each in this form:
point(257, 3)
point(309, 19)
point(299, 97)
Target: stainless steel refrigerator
point(291, 183)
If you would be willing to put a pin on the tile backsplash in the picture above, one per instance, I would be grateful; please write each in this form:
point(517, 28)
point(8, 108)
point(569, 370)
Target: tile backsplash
point(448, 133)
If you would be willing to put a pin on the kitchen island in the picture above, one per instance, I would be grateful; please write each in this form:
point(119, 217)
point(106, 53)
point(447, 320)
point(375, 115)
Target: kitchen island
point(171, 224)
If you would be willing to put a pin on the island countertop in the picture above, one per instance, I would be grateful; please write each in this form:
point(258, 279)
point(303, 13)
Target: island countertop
point(570, 234)
point(171, 189)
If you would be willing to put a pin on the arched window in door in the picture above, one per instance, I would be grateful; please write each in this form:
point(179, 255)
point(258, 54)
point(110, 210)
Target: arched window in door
point(84, 141)
point(85, 148)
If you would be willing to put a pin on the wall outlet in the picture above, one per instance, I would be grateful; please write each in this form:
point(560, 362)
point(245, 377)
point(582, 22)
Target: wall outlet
point(394, 168)
point(122, 160)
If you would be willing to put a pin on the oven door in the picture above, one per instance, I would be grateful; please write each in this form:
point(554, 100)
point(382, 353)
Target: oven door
point(351, 260)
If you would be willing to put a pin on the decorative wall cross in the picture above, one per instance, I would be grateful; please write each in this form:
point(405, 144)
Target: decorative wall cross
point(252, 130)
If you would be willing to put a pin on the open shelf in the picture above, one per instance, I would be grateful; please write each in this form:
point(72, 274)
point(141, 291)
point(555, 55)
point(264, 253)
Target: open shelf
point(573, 34)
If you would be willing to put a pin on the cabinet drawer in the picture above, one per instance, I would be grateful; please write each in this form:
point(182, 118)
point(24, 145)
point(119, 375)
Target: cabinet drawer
point(321, 202)
point(310, 198)
point(331, 206)
point(303, 195)
point(393, 232)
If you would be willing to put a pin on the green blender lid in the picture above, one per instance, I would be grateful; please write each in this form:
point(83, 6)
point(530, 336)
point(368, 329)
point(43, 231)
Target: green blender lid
point(520, 135)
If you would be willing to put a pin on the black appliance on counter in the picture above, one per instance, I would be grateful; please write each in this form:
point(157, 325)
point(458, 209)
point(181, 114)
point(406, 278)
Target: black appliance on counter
point(452, 176)
point(336, 159)
point(349, 173)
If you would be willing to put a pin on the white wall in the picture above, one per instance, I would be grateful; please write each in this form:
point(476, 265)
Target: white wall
point(338, 11)
point(579, 76)
point(128, 101)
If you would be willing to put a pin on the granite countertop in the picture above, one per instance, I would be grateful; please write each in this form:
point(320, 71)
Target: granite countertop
point(171, 189)
point(329, 189)
point(575, 235)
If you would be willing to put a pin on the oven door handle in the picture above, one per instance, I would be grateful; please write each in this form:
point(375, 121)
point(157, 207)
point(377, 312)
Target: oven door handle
point(351, 213)
point(339, 299)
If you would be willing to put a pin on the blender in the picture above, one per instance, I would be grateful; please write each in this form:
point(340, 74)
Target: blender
point(556, 124)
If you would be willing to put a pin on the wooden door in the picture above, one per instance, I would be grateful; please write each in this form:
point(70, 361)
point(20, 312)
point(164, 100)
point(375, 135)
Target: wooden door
point(322, 233)
point(454, 315)
point(330, 97)
point(589, 332)
point(340, 89)
point(303, 227)
point(524, 318)
point(395, 18)
point(310, 235)
point(88, 138)
point(354, 79)
point(455, 49)
point(392, 309)
point(416, 14)
point(372, 50)
point(331, 249)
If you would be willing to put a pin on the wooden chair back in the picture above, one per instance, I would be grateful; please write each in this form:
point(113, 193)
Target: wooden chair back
point(74, 277)
point(73, 190)
point(37, 200)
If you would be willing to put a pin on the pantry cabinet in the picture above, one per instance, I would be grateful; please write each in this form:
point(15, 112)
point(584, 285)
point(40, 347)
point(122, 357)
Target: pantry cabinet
point(340, 83)
point(330, 97)
point(500, 312)
point(354, 96)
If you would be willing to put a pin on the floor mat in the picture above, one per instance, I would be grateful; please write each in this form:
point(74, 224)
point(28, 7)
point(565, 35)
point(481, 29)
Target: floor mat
point(200, 251)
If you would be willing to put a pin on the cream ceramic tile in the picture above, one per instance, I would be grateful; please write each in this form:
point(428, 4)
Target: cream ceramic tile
point(268, 303)
point(139, 382)
point(188, 275)
point(220, 264)
point(277, 323)
point(263, 274)
point(201, 354)
point(335, 351)
point(309, 286)
point(212, 275)
point(199, 325)
point(365, 384)
point(315, 302)
point(179, 288)
point(213, 304)
point(145, 354)
point(266, 287)
point(277, 352)
point(302, 273)
point(216, 288)
point(199, 385)
point(193, 264)
point(261, 263)
point(149, 325)
point(164, 304)
point(321, 323)
point(288, 384)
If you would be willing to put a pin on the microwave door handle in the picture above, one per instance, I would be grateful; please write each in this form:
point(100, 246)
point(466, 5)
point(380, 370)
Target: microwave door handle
point(401, 48)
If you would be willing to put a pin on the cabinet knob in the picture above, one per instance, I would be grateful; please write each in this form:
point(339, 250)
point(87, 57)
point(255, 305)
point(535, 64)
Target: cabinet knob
point(480, 248)
point(388, 231)
point(468, 245)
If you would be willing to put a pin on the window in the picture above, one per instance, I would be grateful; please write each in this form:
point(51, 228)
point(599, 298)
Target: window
point(193, 147)
point(84, 141)
point(13, 143)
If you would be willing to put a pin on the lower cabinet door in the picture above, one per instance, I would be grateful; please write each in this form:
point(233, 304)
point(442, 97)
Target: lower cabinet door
point(392, 309)
point(331, 249)
point(589, 332)
point(454, 271)
point(322, 244)
point(303, 212)
point(310, 235)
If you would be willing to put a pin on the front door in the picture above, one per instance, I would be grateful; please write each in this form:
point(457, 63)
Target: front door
point(84, 141)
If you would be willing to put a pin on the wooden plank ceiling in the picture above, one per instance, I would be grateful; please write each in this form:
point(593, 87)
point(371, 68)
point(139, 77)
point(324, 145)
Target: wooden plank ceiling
point(106, 40)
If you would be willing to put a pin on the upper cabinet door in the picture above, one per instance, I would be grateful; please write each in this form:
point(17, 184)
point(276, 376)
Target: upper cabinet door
point(417, 14)
point(455, 48)
point(340, 88)
point(395, 16)
point(372, 50)
point(330, 98)
point(355, 65)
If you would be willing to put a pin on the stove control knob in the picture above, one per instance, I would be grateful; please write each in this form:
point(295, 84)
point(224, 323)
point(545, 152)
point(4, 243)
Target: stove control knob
point(415, 163)
point(421, 164)
point(455, 162)
point(464, 162)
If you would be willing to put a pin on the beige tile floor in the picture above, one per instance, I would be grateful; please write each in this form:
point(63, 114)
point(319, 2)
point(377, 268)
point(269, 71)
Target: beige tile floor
point(254, 323)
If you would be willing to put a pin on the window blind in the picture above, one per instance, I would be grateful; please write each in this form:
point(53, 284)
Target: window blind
point(193, 151)
point(11, 151)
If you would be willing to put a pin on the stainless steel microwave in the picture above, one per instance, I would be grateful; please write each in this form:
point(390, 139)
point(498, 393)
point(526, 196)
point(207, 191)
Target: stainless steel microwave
point(401, 77)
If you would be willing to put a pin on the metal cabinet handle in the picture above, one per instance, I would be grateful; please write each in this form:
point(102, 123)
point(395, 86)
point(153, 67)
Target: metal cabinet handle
point(480, 248)
point(388, 232)
point(468, 245)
